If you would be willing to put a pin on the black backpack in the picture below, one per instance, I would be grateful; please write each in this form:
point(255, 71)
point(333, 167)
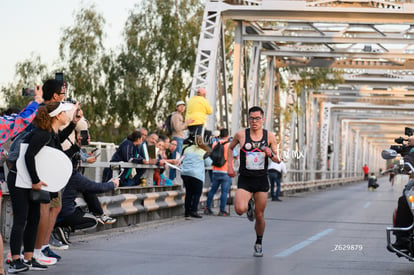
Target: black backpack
point(217, 154)
point(168, 124)
point(14, 150)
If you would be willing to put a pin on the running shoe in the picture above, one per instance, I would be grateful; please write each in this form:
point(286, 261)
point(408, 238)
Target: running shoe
point(57, 244)
point(223, 214)
point(17, 266)
point(104, 219)
point(9, 257)
point(45, 260)
point(33, 264)
point(208, 211)
point(195, 215)
point(63, 233)
point(250, 210)
point(49, 253)
point(258, 252)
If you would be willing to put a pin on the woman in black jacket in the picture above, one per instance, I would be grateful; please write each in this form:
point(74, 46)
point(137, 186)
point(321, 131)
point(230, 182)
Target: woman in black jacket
point(26, 213)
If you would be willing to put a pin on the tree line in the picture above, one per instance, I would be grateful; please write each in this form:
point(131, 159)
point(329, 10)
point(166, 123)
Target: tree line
point(136, 86)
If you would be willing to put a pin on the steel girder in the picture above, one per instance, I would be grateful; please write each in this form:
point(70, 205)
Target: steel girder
point(374, 37)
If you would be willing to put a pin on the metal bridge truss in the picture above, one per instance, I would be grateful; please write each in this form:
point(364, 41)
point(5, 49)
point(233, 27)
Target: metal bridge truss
point(370, 42)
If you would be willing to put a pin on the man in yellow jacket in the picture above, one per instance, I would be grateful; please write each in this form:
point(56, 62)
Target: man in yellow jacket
point(197, 109)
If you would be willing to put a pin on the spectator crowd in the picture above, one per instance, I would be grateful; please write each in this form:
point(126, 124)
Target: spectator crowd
point(44, 218)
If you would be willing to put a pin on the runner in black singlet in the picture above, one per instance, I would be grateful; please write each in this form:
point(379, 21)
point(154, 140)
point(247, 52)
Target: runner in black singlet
point(257, 145)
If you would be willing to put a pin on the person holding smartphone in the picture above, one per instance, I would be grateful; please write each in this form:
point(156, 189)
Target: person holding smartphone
point(13, 124)
point(26, 213)
point(10, 126)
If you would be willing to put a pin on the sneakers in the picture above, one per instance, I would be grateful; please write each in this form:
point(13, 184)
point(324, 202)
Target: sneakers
point(50, 254)
point(17, 266)
point(104, 219)
point(223, 214)
point(250, 210)
point(33, 264)
point(63, 234)
point(45, 260)
point(207, 211)
point(195, 215)
point(57, 244)
point(258, 252)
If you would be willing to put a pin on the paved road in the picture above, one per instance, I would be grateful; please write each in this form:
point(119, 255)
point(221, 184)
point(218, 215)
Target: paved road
point(305, 234)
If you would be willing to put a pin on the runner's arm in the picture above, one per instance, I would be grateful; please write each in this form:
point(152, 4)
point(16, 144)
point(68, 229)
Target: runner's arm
point(274, 150)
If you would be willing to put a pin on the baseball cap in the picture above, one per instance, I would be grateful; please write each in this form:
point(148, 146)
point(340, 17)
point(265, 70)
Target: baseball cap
point(179, 103)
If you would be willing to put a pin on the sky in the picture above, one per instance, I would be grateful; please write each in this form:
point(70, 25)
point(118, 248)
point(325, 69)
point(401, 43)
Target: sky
point(36, 26)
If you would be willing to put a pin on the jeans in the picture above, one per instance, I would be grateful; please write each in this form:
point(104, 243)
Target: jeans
point(179, 147)
point(225, 181)
point(274, 177)
point(78, 220)
point(193, 190)
point(93, 203)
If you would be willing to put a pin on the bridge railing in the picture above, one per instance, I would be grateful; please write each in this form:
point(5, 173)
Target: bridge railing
point(137, 204)
point(307, 175)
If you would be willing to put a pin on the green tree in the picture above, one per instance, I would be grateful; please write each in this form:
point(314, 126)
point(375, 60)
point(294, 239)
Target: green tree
point(83, 57)
point(29, 73)
point(157, 61)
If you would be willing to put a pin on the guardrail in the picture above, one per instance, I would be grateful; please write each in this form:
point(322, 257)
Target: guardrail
point(138, 204)
point(307, 175)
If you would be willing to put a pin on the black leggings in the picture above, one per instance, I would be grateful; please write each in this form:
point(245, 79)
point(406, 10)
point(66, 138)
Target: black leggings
point(193, 190)
point(26, 215)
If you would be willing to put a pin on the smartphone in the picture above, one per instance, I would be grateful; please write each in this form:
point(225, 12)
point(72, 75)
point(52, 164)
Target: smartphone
point(59, 77)
point(84, 137)
point(28, 92)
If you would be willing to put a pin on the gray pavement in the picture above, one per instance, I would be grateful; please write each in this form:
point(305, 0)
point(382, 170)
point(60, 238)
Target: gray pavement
point(334, 231)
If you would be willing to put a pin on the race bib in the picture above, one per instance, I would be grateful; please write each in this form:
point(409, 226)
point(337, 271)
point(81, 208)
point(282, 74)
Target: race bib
point(255, 160)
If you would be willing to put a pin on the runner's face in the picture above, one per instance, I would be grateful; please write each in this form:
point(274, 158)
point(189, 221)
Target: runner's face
point(256, 120)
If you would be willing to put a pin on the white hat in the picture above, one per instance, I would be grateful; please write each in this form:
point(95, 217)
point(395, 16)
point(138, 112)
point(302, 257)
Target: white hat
point(179, 103)
point(82, 125)
point(61, 108)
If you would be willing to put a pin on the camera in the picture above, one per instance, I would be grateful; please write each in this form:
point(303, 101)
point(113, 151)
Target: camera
point(59, 77)
point(70, 100)
point(403, 149)
point(409, 131)
point(400, 149)
point(28, 92)
point(400, 140)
